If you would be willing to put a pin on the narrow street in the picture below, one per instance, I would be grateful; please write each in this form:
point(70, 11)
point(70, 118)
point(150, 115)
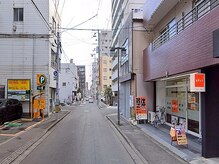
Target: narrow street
point(83, 137)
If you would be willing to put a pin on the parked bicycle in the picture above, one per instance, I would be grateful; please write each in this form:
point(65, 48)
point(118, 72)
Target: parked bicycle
point(160, 116)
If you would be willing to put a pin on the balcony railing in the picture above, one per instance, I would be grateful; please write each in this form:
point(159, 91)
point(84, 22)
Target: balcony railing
point(195, 14)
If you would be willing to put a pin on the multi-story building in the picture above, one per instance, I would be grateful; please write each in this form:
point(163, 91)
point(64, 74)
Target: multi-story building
point(28, 47)
point(128, 34)
point(82, 78)
point(105, 39)
point(182, 67)
point(69, 82)
point(105, 73)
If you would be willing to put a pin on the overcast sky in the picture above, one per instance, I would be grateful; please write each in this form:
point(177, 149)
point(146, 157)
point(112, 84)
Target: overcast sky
point(78, 44)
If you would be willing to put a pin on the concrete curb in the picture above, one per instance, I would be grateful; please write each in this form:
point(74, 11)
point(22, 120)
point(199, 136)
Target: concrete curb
point(128, 141)
point(26, 146)
point(57, 121)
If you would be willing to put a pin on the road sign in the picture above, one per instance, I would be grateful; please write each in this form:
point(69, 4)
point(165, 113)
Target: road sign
point(55, 73)
point(41, 80)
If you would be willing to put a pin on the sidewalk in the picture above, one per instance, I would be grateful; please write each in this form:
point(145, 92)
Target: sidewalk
point(145, 138)
point(19, 139)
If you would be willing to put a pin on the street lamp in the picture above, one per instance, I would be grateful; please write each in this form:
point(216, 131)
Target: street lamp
point(120, 50)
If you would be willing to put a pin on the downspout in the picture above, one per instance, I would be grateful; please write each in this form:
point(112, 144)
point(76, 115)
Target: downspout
point(33, 72)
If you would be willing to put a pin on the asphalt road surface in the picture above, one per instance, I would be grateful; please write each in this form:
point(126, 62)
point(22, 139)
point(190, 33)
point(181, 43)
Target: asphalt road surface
point(83, 137)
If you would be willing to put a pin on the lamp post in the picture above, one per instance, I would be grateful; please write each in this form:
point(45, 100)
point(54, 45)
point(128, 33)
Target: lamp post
point(119, 52)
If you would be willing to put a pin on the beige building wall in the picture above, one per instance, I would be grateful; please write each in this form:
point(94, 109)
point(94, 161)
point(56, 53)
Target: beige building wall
point(105, 72)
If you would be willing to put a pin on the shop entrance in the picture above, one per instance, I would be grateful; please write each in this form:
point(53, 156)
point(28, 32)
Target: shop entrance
point(183, 106)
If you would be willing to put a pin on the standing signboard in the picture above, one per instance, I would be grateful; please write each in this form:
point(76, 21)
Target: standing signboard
point(19, 89)
point(140, 108)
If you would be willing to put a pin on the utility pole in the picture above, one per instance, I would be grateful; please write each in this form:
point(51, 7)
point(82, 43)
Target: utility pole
point(98, 91)
point(120, 50)
point(118, 54)
point(57, 72)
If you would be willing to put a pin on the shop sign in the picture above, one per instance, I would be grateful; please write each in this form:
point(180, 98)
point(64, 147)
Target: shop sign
point(197, 82)
point(174, 105)
point(181, 135)
point(41, 80)
point(19, 89)
point(140, 108)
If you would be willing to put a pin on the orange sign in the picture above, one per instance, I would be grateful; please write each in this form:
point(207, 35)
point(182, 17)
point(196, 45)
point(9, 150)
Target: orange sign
point(174, 105)
point(199, 80)
point(140, 108)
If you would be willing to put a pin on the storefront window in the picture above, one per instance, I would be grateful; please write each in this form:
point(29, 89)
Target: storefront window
point(182, 106)
point(193, 111)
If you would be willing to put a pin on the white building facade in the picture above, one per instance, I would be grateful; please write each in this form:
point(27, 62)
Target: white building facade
point(69, 82)
point(28, 46)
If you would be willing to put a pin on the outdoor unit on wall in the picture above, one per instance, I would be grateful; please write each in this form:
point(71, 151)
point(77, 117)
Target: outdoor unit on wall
point(151, 116)
point(216, 43)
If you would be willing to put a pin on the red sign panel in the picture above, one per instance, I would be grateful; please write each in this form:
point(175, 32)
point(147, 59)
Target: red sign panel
point(199, 80)
point(174, 105)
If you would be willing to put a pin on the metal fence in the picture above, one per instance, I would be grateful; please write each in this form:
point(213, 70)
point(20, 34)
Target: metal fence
point(195, 14)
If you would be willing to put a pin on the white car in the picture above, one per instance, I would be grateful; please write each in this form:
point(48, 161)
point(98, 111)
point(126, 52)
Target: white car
point(91, 100)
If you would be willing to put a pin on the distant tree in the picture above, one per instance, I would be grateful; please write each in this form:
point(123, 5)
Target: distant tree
point(108, 95)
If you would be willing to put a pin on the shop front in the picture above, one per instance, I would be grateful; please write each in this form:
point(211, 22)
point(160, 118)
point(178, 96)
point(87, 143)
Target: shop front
point(183, 106)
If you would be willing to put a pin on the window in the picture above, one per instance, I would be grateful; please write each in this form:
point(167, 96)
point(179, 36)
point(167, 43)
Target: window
point(64, 84)
point(110, 77)
point(105, 70)
point(53, 59)
point(110, 69)
point(105, 78)
point(18, 14)
point(104, 62)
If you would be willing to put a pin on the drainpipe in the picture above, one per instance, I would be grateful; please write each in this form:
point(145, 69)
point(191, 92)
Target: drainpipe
point(33, 74)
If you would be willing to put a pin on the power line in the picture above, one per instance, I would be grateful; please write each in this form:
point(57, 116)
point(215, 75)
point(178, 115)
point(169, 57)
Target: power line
point(62, 8)
point(41, 15)
point(81, 23)
point(92, 29)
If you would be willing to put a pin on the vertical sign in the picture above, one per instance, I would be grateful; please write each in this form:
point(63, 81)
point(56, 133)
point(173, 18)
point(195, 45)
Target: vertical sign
point(140, 108)
point(197, 82)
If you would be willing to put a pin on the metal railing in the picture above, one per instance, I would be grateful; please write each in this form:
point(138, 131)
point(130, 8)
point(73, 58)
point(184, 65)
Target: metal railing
point(195, 14)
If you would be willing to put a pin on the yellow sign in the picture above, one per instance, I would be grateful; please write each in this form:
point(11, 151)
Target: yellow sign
point(41, 80)
point(181, 139)
point(19, 84)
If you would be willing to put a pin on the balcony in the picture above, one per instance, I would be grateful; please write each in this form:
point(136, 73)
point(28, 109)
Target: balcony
point(195, 14)
point(186, 48)
point(114, 63)
point(114, 75)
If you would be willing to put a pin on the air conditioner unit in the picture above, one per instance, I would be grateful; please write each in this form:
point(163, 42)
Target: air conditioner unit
point(151, 116)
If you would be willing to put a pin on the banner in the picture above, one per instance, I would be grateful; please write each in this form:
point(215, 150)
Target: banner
point(140, 108)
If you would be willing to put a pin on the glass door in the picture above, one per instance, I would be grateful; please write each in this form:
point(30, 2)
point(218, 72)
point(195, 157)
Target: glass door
point(183, 106)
